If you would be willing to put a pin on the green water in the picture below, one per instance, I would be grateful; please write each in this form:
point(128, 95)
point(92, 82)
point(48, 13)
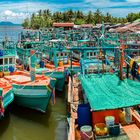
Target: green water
point(25, 124)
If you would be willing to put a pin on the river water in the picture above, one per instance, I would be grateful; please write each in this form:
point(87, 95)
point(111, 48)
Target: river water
point(25, 124)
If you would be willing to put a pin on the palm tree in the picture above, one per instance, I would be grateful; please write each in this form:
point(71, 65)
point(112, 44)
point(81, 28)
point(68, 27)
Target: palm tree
point(98, 16)
point(89, 18)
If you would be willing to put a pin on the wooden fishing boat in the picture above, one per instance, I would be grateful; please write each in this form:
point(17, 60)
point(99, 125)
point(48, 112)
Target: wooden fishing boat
point(104, 104)
point(23, 51)
point(7, 65)
point(56, 61)
point(32, 94)
point(107, 109)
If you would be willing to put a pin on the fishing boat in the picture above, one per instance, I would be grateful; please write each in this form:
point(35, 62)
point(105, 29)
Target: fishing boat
point(56, 62)
point(33, 91)
point(42, 65)
point(32, 94)
point(102, 106)
point(7, 65)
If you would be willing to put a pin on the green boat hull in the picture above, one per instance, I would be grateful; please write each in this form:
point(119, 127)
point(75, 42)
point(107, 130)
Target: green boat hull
point(8, 98)
point(34, 97)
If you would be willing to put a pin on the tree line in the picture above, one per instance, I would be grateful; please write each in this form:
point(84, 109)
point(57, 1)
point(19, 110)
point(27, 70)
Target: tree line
point(45, 18)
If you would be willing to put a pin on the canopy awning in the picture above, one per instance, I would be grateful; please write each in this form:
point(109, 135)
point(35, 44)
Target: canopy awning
point(106, 91)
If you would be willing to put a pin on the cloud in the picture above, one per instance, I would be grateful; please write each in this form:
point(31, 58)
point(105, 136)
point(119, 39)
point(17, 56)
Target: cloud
point(17, 10)
point(13, 16)
point(9, 13)
point(133, 1)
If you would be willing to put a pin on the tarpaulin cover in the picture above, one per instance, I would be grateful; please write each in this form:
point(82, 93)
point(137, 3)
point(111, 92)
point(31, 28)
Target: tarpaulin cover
point(108, 92)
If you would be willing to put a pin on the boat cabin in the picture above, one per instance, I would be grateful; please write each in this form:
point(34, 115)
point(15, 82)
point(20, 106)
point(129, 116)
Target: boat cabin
point(7, 56)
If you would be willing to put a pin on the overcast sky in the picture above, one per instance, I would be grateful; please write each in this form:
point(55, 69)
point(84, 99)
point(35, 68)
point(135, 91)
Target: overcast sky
point(17, 10)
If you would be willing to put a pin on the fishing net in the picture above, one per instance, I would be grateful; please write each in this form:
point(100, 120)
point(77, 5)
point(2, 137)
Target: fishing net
point(108, 92)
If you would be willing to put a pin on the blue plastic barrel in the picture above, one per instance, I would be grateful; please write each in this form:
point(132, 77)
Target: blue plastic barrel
point(42, 65)
point(11, 69)
point(84, 115)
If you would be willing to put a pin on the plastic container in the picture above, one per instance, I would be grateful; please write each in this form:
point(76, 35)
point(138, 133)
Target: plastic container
point(101, 129)
point(11, 69)
point(114, 130)
point(86, 132)
point(84, 115)
point(109, 120)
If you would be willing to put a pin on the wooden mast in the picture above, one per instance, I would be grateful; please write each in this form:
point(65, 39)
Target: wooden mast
point(121, 61)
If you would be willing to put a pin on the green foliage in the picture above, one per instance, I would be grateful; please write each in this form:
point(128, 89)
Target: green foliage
point(26, 23)
point(133, 16)
point(44, 18)
point(79, 21)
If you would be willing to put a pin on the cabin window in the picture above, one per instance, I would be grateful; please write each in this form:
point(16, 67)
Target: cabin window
point(1, 61)
point(10, 60)
point(14, 60)
point(91, 53)
point(61, 54)
point(6, 61)
point(94, 53)
point(57, 54)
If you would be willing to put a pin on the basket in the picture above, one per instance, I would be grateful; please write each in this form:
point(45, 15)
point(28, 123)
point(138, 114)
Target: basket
point(100, 129)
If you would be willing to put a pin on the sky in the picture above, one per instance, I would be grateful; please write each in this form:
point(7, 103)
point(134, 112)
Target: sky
point(17, 10)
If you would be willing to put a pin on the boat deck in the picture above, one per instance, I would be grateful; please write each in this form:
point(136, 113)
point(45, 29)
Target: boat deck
point(22, 79)
point(132, 131)
point(25, 79)
point(18, 78)
point(4, 84)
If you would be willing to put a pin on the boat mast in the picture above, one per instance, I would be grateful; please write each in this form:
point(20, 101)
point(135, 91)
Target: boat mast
point(121, 61)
